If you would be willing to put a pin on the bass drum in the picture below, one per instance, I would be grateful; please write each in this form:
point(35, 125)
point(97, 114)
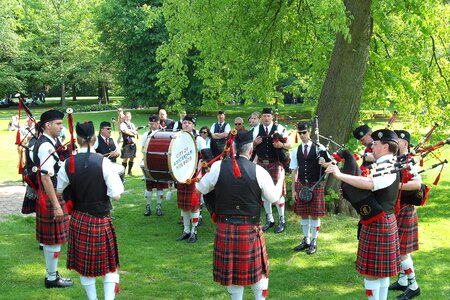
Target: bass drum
point(170, 156)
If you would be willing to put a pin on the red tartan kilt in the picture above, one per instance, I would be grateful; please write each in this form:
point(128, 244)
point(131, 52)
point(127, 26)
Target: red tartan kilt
point(187, 197)
point(149, 185)
point(92, 249)
point(29, 201)
point(49, 231)
point(379, 249)
point(315, 207)
point(240, 255)
point(408, 231)
point(275, 170)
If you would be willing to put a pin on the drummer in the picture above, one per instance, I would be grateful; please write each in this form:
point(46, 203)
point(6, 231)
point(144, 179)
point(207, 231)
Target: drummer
point(154, 125)
point(188, 201)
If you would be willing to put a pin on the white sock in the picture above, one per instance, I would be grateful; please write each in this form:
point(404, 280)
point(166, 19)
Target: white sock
point(148, 196)
point(260, 288)
point(268, 209)
point(51, 253)
point(402, 279)
point(305, 227)
point(194, 218)
point(408, 268)
point(315, 227)
point(236, 292)
point(186, 221)
point(110, 283)
point(384, 285)
point(372, 289)
point(89, 286)
point(280, 207)
point(159, 195)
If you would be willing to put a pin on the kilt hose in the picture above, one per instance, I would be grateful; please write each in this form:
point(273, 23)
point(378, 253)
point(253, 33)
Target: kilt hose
point(408, 231)
point(187, 197)
point(240, 255)
point(128, 151)
point(49, 231)
point(149, 185)
point(92, 249)
point(275, 170)
point(379, 249)
point(29, 201)
point(315, 207)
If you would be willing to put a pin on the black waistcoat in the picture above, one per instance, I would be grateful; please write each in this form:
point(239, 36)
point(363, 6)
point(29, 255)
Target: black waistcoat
point(387, 197)
point(103, 148)
point(266, 150)
point(57, 155)
point(88, 186)
point(238, 196)
point(309, 170)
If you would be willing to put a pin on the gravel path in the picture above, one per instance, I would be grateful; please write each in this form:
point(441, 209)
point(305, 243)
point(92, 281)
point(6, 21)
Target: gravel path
point(11, 198)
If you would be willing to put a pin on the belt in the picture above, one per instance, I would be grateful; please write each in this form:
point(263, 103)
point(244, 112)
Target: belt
point(238, 220)
point(266, 161)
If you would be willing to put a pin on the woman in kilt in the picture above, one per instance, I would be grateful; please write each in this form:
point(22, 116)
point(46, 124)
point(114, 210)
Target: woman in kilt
point(240, 257)
point(408, 233)
point(92, 247)
point(378, 248)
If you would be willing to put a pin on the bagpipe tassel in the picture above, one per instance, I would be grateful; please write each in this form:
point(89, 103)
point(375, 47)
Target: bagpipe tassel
point(21, 163)
point(71, 163)
point(421, 163)
point(236, 170)
point(436, 181)
point(296, 137)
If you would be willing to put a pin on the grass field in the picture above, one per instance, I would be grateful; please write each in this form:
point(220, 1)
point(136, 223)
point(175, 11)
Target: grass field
point(155, 266)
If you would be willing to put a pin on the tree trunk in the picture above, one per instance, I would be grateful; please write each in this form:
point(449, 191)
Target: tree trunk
point(340, 99)
point(63, 94)
point(74, 93)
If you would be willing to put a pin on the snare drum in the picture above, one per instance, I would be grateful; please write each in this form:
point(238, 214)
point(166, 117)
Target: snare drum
point(170, 156)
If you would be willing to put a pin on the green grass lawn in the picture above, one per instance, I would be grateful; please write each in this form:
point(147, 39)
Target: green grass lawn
point(155, 266)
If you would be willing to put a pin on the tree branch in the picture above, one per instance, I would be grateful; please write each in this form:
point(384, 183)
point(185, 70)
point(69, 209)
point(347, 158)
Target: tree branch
point(437, 63)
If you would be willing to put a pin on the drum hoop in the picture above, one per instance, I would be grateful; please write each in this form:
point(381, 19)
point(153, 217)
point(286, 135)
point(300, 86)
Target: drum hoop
point(144, 151)
point(169, 158)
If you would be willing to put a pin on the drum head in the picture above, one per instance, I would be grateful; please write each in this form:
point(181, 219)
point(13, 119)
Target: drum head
point(183, 156)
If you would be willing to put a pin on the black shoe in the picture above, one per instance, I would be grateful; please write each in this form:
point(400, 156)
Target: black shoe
point(281, 226)
point(59, 282)
point(409, 294)
point(158, 210)
point(192, 238)
point(304, 245)
point(397, 287)
point(148, 210)
point(41, 247)
point(312, 247)
point(268, 225)
point(184, 236)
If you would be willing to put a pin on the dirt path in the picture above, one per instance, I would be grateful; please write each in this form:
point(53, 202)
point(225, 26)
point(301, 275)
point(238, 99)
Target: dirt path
point(11, 198)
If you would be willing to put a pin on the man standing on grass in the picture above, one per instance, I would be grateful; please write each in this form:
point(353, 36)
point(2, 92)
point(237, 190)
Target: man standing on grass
point(105, 144)
point(240, 257)
point(52, 219)
point(165, 123)
point(219, 134)
point(307, 169)
point(378, 248)
point(407, 222)
point(129, 133)
point(92, 250)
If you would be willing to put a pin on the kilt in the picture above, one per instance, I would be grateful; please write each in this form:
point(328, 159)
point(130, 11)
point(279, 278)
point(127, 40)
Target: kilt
point(378, 248)
point(315, 207)
point(128, 151)
point(187, 197)
point(29, 201)
point(240, 255)
point(275, 170)
point(149, 185)
point(49, 231)
point(92, 249)
point(408, 232)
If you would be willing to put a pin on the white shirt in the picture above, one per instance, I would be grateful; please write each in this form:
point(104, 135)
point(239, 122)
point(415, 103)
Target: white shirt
point(265, 182)
point(386, 180)
point(294, 163)
point(110, 176)
point(280, 129)
point(227, 127)
point(44, 153)
point(96, 142)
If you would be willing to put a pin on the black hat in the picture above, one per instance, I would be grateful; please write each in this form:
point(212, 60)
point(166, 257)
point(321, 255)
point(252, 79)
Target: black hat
point(220, 112)
point(361, 131)
point(303, 126)
point(189, 118)
point(384, 135)
point(105, 124)
point(85, 130)
point(153, 118)
point(51, 115)
point(243, 138)
point(267, 110)
point(403, 134)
